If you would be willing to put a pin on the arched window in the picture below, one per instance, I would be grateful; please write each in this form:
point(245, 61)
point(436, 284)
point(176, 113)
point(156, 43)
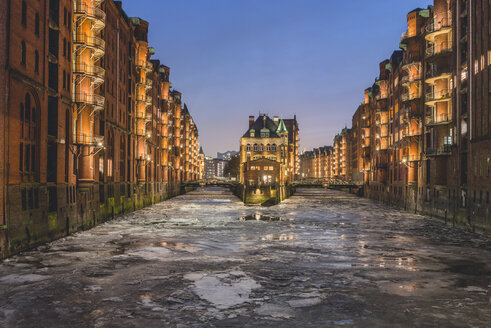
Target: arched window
point(274, 148)
point(261, 147)
point(255, 147)
point(23, 52)
point(268, 147)
point(248, 147)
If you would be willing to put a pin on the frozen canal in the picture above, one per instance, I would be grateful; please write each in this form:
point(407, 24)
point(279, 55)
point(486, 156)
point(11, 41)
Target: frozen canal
point(320, 259)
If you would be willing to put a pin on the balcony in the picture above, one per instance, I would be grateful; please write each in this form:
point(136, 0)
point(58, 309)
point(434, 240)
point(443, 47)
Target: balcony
point(411, 158)
point(435, 74)
point(438, 120)
point(409, 96)
point(144, 65)
point(143, 133)
point(88, 140)
point(411, 133)
point(97, 73)
point(411, 78)
point(440, 48)
point(444, 150)
point(96, 44)
point(411, 61)
point(89, 99)
point(96, 15)
point(142, 97)
point(147, 84)
point(405, 36)
point(381, 109)
point(442, 95)
point(435, 28)
point(147, 117)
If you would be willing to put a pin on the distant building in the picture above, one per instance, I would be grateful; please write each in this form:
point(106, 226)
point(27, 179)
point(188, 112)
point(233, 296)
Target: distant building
point(269, 151)
point(219, 167)
point(209, 167)
point(201, 163)
point(317, 163)
point(227, 155)
point(214, 167)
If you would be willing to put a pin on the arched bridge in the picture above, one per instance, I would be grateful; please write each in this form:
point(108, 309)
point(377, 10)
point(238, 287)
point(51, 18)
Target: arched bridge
point(333, 183)
point(212, 182)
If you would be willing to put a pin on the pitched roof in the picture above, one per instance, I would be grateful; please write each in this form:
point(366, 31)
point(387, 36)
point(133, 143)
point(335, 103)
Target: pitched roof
point(263, 123)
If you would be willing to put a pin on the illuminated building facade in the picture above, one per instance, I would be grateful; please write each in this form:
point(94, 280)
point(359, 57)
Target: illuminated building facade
point(91, 127)
point(269, 151)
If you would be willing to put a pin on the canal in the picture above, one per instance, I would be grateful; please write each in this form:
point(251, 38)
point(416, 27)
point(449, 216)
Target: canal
point(319, 259)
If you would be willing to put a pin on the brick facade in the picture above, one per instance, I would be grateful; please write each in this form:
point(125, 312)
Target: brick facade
point(90, 125)
point(421, 137)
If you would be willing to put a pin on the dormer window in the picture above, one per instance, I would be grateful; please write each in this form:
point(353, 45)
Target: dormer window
point(252, 133)
point(265, 134)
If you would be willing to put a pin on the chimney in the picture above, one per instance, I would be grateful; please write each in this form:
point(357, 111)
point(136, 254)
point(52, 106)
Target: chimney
point(251, 121)
point(264, 120)
point(276, 119)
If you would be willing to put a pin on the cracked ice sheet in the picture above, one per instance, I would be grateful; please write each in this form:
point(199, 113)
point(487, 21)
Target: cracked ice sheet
point(224, 289)
point(335, 260)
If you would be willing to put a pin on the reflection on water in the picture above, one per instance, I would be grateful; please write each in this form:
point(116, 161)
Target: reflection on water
point(281, 237)
point(177, 245)
point(261, 217)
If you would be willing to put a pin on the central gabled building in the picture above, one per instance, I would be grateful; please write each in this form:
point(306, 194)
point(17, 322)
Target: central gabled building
point(268, 151)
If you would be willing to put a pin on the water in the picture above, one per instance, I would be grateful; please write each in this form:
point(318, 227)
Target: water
point(319, 259)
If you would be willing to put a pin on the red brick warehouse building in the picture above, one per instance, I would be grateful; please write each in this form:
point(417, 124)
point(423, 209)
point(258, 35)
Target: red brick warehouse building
point(421, 137)
point(91, 126)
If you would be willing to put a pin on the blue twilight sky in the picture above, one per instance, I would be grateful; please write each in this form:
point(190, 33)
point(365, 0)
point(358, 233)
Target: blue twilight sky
point(235, 58)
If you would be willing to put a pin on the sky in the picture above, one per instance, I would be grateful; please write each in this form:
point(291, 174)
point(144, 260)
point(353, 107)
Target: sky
point(235, 58)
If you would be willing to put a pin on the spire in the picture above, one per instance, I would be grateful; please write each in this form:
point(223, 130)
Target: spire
point(281, 127)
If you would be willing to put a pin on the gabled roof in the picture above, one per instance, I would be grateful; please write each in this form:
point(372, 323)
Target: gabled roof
point(263, 123)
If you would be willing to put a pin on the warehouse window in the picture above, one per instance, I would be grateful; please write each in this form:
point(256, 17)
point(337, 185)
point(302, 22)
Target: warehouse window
point(23, 53)
point(36, 25)
point(36, 61)
point(24, 14)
